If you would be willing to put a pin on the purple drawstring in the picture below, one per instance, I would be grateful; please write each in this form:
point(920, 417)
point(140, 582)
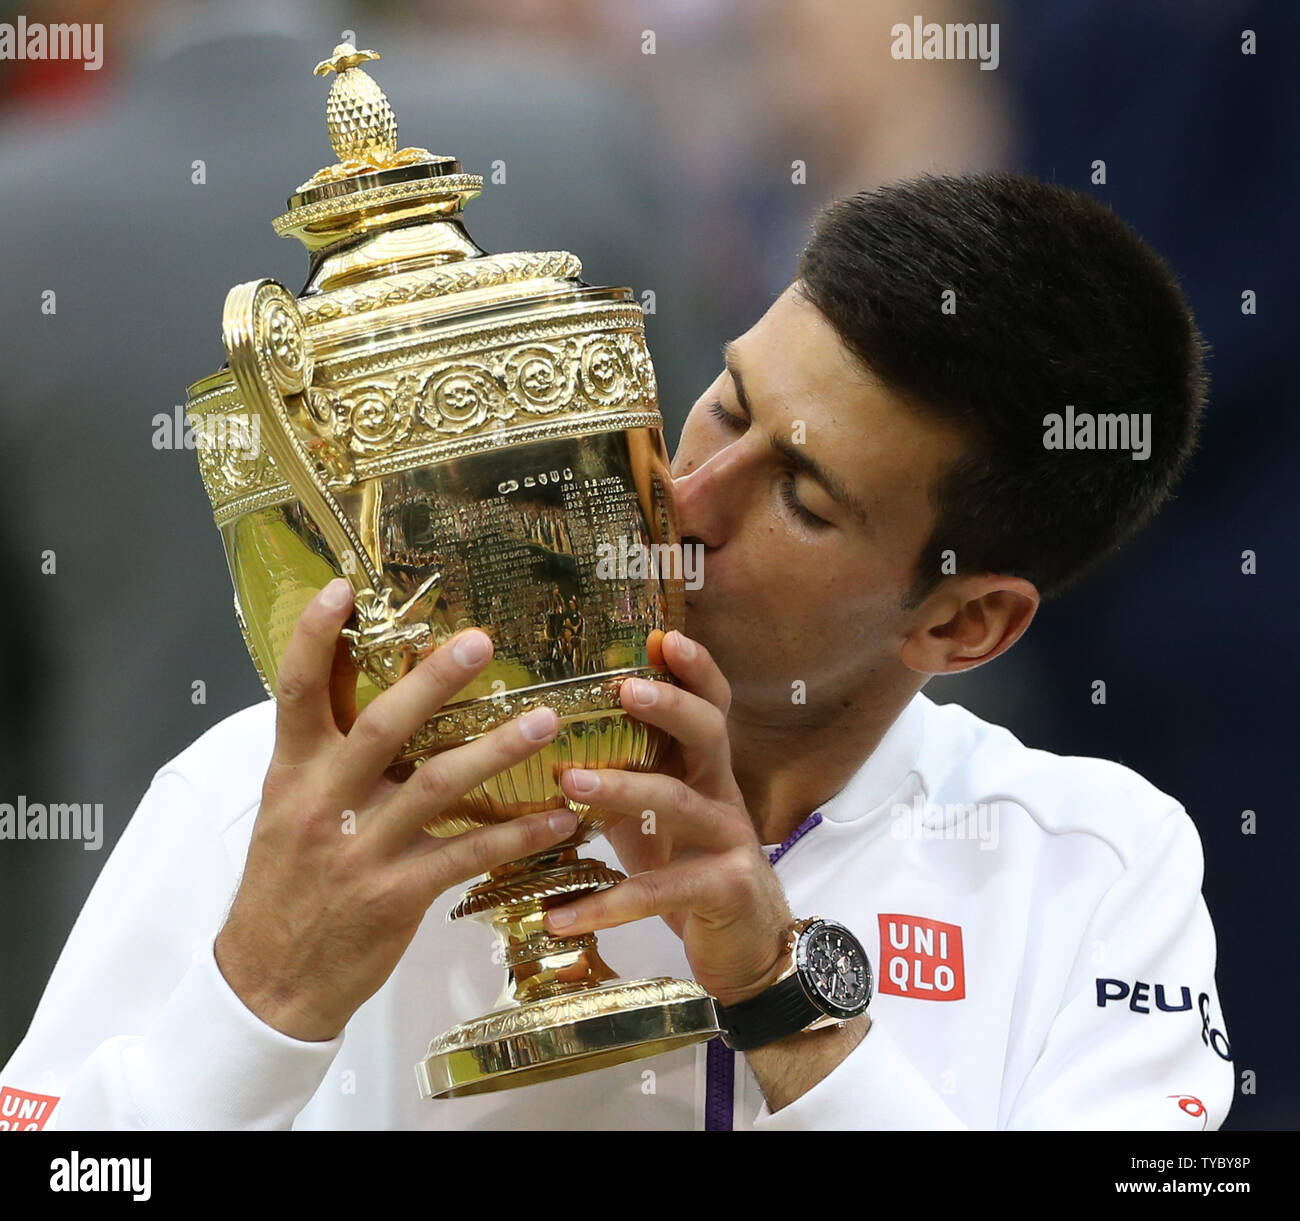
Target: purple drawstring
point(813, 820)
point(720, 1060)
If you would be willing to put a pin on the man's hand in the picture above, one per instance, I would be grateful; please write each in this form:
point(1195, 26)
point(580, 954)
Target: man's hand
point(686, 838)
point(340, 871)
point(701, 867)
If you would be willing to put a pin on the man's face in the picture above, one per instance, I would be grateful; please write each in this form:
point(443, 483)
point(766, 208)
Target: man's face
point(808, 485)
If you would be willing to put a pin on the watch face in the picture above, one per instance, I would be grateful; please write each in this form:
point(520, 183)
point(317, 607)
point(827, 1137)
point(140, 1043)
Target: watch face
point(835, 969)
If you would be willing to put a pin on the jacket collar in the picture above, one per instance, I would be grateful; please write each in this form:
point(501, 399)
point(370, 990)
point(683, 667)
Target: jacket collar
point(885, 773)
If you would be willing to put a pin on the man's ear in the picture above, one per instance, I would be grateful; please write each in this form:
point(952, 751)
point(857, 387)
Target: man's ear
point(968, 621)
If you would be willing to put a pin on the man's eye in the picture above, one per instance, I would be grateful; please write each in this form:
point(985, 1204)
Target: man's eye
point(796, 507)
point(719, 413)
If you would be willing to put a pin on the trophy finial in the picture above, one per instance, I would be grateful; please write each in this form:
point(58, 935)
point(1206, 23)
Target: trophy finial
point(362, 125)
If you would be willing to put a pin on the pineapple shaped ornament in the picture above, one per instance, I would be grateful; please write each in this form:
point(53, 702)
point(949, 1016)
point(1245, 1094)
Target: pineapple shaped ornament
point(362, 125)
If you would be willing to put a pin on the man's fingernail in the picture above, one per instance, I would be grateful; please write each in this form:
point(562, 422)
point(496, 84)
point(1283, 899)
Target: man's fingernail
point(643, 693)
point(582, 782)
point(471, 648)
point(563, 822)
point(337, 594)
point(538, 725)
point(685, 646)
point(560, 917)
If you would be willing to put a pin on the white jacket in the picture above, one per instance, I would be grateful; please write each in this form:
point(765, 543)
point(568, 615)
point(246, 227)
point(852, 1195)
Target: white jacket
point(1043, 958)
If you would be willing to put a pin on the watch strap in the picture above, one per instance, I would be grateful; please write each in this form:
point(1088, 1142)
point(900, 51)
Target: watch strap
point(780, 1011)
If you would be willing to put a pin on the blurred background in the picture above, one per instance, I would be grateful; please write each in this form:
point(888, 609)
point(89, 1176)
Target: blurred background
point(656, 139)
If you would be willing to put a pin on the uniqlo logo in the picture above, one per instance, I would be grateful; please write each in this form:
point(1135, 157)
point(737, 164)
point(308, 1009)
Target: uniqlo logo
point(921, 958)
point(24, 1112)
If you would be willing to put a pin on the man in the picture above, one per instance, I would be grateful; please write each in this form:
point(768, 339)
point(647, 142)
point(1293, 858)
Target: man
point(874, 481)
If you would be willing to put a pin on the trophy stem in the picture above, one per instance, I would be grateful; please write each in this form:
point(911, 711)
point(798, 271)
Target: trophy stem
point(562, 1010)
point(515, 900)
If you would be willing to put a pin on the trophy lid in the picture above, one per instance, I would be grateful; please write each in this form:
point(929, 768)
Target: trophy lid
point(394, 271)
point(374, 184)
point(384, 228)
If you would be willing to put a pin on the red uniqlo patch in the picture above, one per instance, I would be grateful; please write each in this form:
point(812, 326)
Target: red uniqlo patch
point(24, 1112)
point(920, 958)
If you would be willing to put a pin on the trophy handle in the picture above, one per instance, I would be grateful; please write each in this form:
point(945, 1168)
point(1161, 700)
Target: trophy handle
point(271, 358)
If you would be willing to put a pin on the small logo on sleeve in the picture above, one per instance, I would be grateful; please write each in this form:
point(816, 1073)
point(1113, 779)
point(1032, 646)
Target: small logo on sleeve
point(921, 958)
point(1192, 1106)
point(1177, 999)
point(24, 1112)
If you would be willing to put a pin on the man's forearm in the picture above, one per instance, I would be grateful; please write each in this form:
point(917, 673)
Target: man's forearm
point(790, 1067)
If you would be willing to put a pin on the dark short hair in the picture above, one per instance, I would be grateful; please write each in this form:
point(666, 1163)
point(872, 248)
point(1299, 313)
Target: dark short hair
point(1057, 302)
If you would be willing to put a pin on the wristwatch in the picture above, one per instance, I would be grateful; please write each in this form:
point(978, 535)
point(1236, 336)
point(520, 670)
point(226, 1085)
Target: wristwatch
point(828, 980)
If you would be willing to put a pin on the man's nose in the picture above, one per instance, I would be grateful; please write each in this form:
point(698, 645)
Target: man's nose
point(707, 498)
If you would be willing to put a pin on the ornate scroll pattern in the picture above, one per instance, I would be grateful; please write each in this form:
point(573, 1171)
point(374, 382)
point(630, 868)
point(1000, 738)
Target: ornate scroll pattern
point(462, 396)
point(477, 392)
point(229, 470)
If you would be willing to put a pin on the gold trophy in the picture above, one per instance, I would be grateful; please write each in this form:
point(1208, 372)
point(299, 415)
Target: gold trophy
point(461, 435)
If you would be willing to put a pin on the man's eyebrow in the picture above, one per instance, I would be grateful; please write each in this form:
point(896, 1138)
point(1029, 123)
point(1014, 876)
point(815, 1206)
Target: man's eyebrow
point(793, 453)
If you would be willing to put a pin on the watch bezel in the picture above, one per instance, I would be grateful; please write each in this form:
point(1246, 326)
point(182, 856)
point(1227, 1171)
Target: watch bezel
point(829, 1007)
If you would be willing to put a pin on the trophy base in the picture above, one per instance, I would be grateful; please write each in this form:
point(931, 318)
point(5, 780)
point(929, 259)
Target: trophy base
point(561, 1036)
